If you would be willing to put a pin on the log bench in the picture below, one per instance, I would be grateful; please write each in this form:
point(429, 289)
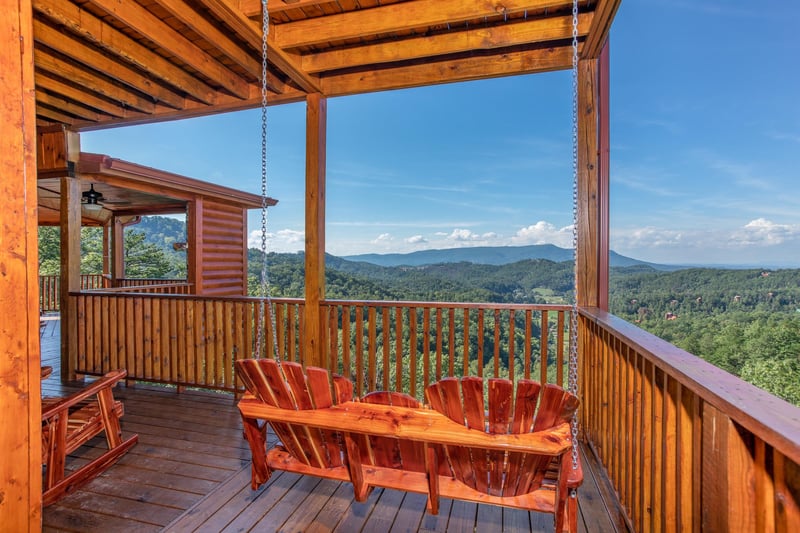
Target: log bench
point(70, 422)
point(516, 451)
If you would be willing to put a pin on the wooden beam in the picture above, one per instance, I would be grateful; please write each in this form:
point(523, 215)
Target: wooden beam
point(82, 112)
point(117, 43)
point(53, 115)
point(70, 272)
point(601, 24)
point(518, 33)
point(316, 125)
point(142, 21)
point(117, 250)
point(588, 192)
point(398, 17)
point(251, 32)
point(20, 359)
point(252, 8)
point(470, 68)
point(44, 81)
point(92, 82)
point(66, 44)
point(181, 11)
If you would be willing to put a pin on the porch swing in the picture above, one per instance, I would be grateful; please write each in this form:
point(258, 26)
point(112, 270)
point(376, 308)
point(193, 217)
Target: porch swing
point(519, 449)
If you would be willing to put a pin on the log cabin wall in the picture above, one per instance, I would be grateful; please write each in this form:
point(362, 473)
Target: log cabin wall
point(222, 243)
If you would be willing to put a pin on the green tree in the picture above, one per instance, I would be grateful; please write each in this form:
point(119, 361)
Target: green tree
point(143, 259)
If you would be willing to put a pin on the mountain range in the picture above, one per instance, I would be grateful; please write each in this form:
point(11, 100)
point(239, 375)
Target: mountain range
point(493, 255)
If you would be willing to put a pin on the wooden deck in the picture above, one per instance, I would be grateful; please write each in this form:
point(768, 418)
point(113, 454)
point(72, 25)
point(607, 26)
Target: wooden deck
point(191, 472)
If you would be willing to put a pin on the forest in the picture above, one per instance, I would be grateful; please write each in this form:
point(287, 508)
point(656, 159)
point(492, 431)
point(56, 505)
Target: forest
point(744, 321)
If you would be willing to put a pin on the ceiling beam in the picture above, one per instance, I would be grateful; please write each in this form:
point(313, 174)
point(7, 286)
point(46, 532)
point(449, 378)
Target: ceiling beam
point(142, 21)
point(252, 8)
point(44, 81)
point(601, 25)
point(518, 33)
point(398, 17)
point(57, 102)
point(53, 115)
point(74, 48)
point(46, 61)
point(181, 11)
point(114, 41)
point(472, 68)
point(251, 32)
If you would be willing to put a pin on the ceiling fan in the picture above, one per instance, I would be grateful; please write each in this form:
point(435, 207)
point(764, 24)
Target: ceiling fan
point(91, 200)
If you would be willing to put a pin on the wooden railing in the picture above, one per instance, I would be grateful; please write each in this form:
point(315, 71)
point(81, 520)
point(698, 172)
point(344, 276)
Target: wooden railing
point(193, 341)
point(50, 287)
point(405, 346)
point(687, 446)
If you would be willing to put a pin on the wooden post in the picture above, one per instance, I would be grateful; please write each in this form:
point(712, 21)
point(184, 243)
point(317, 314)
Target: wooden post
point(70, 272)
point(194, 245)
point(592, 264)
point(117, 251)
point(603, 177)
point(316, 121)
point(20, 359)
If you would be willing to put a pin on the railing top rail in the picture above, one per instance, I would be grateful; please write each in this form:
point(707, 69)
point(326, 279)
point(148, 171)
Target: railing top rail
point(772, 419)
point(355, 303)
point(132, 288)
point(445, 305)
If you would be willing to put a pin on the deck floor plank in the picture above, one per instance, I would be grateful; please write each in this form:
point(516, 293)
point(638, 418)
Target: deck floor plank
point(190, 472)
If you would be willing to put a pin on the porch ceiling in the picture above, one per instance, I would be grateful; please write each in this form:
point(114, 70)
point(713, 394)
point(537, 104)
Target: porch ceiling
point(101, 62)
point(131, 190)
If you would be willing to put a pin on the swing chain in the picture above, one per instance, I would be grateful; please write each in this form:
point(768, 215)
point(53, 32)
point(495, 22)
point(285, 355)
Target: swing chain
point(265, 303)
point(573, 346)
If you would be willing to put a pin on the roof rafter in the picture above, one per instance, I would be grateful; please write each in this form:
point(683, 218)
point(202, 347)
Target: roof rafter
point(181, 11)
point(251, 32)
point(68, 45)
point(145, 23)
point(44, 81)
point(102, 34)
point(50, 63)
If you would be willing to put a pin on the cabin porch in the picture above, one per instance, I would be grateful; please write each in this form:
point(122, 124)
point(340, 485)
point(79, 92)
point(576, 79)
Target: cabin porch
point(191, 472)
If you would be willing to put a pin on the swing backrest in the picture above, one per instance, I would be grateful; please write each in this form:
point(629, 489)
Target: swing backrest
point(532, 408)
point(287, 386)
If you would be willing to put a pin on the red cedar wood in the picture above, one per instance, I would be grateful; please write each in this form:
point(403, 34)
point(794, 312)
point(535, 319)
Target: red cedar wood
point(316, 125)
point(21, 443)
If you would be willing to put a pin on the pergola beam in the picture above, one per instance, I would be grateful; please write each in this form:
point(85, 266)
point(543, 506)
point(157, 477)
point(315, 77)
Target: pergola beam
point(469, 68)
point(400, 17)
point(521, 33)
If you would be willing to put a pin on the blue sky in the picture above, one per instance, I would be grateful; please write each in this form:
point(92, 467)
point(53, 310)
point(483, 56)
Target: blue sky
point(705, 149)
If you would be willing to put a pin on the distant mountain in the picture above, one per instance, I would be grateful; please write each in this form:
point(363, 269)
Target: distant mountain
point(492, 255)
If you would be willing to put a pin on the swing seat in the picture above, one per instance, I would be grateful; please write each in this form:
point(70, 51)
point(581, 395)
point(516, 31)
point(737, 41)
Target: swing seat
point(512, 454)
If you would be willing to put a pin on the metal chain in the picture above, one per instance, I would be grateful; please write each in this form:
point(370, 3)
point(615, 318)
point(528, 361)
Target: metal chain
point(264, 306)
point(573, 344)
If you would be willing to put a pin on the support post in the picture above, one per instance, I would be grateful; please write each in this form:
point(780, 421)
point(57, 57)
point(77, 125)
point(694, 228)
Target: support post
point(117, 251)
point(316, 122)
point(70, 272)
point(593, 246)
point(20, 358)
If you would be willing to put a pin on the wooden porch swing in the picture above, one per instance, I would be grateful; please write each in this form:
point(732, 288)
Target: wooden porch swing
point(487, 441)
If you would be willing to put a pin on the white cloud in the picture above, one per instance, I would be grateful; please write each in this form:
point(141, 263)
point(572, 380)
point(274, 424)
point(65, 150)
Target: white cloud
point(285, 240)
point(762, 232)
point(383, 238)
point(416, 239)
point(543, 233)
